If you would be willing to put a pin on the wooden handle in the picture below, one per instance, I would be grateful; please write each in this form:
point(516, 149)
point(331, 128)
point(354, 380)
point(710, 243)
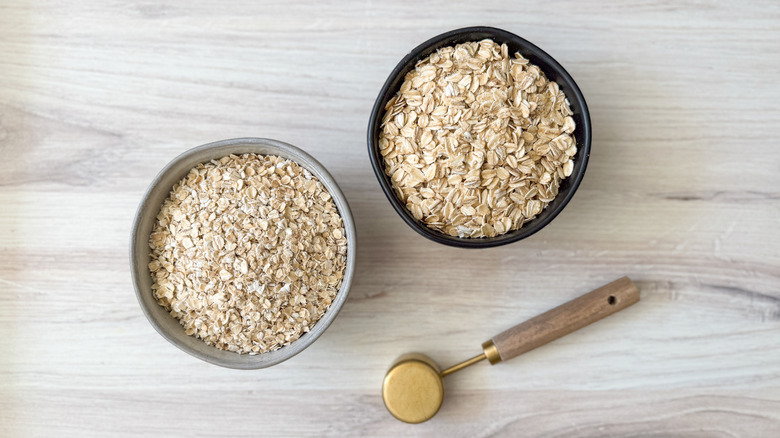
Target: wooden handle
point(566, 318)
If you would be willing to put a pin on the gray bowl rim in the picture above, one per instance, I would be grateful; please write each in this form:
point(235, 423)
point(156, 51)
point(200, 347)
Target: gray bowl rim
point(209, 353)
point(551, 68)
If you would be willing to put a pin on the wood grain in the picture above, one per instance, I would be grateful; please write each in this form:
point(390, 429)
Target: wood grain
point(682, 194)
point(565, 319)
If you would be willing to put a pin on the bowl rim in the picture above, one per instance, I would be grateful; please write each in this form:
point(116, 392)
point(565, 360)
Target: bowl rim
point(227, 147)
point(422, 51)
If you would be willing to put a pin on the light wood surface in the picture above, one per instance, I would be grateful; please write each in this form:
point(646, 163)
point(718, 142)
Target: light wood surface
point(682, 194)
point(564, 319)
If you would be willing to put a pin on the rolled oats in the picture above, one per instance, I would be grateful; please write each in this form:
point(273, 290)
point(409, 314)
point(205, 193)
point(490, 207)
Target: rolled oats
point(476, 142)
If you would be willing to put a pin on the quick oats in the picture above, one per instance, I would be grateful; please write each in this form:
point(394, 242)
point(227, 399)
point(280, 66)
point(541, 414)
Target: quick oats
point(248, 252)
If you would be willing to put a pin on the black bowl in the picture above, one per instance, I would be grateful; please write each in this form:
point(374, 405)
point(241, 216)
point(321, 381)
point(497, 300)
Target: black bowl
point(549, 66)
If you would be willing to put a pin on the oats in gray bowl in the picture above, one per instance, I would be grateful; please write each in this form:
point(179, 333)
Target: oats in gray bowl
point(248, 252)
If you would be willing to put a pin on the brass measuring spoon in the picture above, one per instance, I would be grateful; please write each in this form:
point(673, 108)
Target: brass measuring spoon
point(413, 389)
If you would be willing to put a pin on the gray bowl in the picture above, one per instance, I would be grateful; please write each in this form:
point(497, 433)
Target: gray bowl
point(144, 221)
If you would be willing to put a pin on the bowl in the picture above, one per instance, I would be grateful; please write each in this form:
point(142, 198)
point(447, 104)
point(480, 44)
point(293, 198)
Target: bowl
point(549, 66)
point(165, 324)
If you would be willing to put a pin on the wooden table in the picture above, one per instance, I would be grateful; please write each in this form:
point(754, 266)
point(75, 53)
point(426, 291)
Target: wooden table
point(682, 194)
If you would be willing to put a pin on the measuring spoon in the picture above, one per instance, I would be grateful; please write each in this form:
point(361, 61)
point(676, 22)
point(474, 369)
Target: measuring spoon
point(413, 389)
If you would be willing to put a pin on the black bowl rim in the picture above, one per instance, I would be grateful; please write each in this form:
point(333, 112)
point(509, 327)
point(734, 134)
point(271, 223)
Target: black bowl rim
point(526, 230)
